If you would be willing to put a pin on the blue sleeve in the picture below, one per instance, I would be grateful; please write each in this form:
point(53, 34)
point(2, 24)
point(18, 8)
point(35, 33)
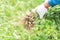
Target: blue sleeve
point(53, 2)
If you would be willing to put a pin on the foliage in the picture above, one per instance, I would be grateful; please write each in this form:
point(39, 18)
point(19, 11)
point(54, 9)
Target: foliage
point(11, 11)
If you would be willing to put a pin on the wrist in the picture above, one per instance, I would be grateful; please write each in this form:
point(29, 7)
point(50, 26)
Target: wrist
point(46, 5)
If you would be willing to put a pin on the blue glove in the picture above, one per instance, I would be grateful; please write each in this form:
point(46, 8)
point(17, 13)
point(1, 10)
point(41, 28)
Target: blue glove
point(53, 2)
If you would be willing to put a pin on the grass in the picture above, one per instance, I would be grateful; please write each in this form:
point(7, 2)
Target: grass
point(11, 11)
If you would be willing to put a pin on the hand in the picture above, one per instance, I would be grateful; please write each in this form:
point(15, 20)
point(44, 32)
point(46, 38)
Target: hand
point(41, 10)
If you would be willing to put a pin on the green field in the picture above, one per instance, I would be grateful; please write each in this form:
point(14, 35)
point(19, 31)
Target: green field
point(11, 12)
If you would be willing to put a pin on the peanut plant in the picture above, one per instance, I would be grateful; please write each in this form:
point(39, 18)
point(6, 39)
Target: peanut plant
point(12, 11)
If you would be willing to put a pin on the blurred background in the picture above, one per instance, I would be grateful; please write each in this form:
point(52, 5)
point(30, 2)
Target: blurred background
point(11, 12)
